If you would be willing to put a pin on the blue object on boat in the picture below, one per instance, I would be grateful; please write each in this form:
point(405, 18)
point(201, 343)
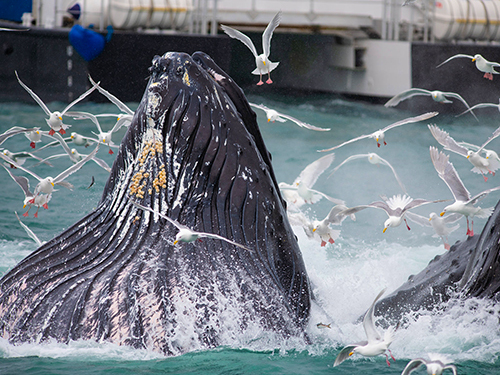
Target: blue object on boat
point(13, 10)
point(87, 43)
point(75, 11)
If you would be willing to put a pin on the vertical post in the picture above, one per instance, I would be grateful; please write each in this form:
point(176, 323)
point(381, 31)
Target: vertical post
point(213, 26)
point(204, 21)
point(384, 20)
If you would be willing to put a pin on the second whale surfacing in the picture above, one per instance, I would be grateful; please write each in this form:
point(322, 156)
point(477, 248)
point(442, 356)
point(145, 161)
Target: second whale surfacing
point(194, 153)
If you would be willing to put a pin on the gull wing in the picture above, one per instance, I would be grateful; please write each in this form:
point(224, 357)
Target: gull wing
point(368, 321)
point(170, 220)
point(10, 161)
point(30, 233)
point(216, 236)
point(420, 202)
point(13, 131)
point(350, 158)
point(259, 106)
point(446, 141)
point(385, 162)
point(331, 199)
point(59, 179)
point(22, 181)
point(418, 219)
point(354, 210)
point(459, 97)
point(449, 175)
point(495, 134)
point(268, 33)
point(409, 120)
point(311, 173)
point(113, 99)
point(335, 216)
point(77, 115)
point(455, 57)
point(80, 98)
point(304, 124)
point(345, 353)
point(346, 143)
point(413, 365)
point(482, 194)
point(395, 100)
point(233, 33)
point(34, 96)
point(65, 146)
point(450, 367)
point(480, 105)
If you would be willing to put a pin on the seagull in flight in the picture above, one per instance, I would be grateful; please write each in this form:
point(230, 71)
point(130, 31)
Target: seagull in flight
point(481, 165)
point(264, 65)
point(435, 366)
point(464, 203)
point(186, 234)
point(436, 95)
point(483, 65)
point(438, 223)
point(379, 135)
point(55, 120)
point(375, 344)
point(273, 115)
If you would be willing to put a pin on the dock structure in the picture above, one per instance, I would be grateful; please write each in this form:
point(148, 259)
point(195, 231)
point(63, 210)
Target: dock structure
point(367, 48)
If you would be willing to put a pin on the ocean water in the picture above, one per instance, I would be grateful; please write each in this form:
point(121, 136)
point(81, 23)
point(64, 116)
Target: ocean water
point(346, 276)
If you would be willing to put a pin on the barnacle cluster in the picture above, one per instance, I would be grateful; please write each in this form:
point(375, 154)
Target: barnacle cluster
point(139, 183)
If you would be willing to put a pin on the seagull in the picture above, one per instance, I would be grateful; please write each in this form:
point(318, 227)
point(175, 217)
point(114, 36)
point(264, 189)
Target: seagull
point(483, 65)
point(301, 190)
point(30, 233)
point(13, 131)
point(103, 137)
point(55, 121)
point(335, 216)
point(80, 140)
point(435, 366)
point(46, 185)
point(273, 116)
point(464, 203)
point(481, 165)
point(436, 95)
point(39, 201)
point(264, 65)
point(438, 223)
point(372, 159)
point(34, 135)
point(379, 135)
point(395, 207)
point(185, 234)
point(375, 345)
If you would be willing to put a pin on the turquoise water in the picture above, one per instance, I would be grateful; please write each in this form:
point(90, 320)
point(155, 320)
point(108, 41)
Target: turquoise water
point(346, 276)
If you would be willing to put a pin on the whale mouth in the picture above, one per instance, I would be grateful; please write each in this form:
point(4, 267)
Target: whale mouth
point(194, 153)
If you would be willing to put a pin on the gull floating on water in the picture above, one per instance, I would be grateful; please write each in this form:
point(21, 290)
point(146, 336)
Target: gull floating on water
point(481, 165)
point(55, 120)
point(379, 135)
point(373, 158)
point(483, 65)
point(435, 366)
point(301, 190)
point(375, 345)
point(438, 223)
point(186, 234)
point(436, 95)
point(264, 65)
point(464, 203)
point(395, 207)
point(273, 115)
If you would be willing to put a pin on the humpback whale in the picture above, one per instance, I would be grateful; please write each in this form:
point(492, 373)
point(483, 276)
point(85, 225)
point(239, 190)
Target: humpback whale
point(194, 153)
point(471, 268)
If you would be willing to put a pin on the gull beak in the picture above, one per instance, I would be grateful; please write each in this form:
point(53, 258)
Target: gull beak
point(314, 230)
point(24, 206)
point(384, 230)
point(268, 119)
point(351, 353)
point(442, 213)
point(264, 62)
point(430, 218)
point(175, 242)
point(468, 156)
point(60, 118)
point(473, 59)
point(52, 183)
